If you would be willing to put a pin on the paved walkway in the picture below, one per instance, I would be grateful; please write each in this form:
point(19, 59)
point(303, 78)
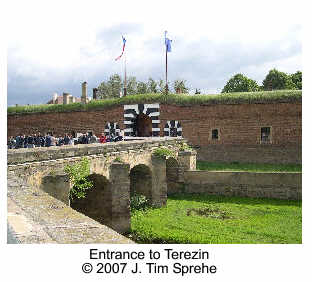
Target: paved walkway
point(36, 217)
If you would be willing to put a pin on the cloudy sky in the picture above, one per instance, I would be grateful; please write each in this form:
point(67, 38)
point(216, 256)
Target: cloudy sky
point(53, 46)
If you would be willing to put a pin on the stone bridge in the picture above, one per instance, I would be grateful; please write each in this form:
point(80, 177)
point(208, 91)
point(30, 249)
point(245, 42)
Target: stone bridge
point(117, 169)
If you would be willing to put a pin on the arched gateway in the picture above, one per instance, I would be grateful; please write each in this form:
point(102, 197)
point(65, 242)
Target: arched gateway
point(141, 120)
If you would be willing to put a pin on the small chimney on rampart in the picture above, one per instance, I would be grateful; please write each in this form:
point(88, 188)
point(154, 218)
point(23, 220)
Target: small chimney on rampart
point(84, 93)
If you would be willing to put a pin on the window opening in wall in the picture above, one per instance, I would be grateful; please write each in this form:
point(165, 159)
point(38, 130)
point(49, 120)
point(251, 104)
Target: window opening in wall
point(173, 132)
point(215, 134)
point(265, 134)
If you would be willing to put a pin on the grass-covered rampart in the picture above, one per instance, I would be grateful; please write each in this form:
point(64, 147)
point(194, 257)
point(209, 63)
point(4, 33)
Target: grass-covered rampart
point(279, 96)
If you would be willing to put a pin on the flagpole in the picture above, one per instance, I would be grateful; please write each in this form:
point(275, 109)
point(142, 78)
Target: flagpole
point(125, 79)
point(166, 90)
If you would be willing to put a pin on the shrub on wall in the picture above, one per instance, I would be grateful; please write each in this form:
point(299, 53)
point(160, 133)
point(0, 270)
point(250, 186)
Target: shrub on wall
point(78, 173)
point(184, 147)
point(163, 152)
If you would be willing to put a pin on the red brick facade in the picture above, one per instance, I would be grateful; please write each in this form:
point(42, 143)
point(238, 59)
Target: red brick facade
point(239, 128)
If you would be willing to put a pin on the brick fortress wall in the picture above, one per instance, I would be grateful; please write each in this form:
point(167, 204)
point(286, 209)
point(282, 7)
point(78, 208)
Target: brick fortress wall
point(239, 128)
point(60, 123)
point(239, 131)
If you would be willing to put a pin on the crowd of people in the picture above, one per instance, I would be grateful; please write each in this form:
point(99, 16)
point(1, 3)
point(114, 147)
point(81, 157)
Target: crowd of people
point(48, 140)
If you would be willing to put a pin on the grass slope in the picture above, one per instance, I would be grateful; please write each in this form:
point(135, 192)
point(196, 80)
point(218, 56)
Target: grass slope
point(203, 165)
point(201, 219)
point(173, 99)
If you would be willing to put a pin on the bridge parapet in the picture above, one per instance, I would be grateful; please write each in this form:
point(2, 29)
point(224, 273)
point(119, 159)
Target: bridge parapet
point(19, 156)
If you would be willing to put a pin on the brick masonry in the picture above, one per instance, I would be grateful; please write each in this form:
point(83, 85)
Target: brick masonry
point(239, 128)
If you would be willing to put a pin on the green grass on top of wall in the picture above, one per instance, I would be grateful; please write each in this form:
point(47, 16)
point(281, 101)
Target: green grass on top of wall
point(172, 99)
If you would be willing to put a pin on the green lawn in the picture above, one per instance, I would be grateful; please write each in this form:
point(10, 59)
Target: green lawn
point(203, 165)
point(202, 219)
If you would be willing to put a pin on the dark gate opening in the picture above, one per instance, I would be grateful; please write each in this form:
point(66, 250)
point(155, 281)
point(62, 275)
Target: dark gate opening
point(141, 181)
point(143, 126)
point(98, 201)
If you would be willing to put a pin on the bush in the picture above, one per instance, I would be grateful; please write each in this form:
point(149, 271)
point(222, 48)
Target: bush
point(185, 147)
point(118, 160)
point(139, 202)
point(78, 174)
point(163, 152)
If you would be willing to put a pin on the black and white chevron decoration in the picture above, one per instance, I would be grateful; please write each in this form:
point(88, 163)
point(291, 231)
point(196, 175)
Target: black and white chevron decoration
point(173, 128)
point(111, 128)
point(132, 111)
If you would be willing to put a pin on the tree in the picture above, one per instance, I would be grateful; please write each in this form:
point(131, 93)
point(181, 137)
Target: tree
point(162, 86)
point(278, 80)
point(152, 85)
point(296, 78)
point(111, 88)
point(131, 85)
point(179, 86)
point(240, 83)
point(103, 92)
point(115, 85)
point(142, 87)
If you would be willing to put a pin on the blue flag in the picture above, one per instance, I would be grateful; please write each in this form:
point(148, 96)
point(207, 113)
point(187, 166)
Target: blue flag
point(167, 43)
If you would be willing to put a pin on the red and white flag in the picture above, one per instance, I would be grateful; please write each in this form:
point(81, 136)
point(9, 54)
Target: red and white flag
point(123, 48)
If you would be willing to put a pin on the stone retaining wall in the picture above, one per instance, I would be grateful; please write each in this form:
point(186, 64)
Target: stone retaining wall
point(265, 153)
point(36, 217)
point(245, 184)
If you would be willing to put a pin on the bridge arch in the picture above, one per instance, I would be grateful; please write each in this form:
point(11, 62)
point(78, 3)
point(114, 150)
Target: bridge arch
point(141, 181)
point(98, 201)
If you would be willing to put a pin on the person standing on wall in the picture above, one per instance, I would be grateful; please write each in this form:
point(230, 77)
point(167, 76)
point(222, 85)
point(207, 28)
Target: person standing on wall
point(66, 139)
point(48, 140)
point(53, 140)
point(102, 138)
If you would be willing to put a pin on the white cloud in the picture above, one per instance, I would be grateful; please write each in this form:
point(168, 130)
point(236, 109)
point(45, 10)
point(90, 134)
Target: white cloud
point(65, 42)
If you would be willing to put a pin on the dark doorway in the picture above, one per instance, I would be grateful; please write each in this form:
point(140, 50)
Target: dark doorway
point(98, 201)
point(141, 181)
point(143, 126)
